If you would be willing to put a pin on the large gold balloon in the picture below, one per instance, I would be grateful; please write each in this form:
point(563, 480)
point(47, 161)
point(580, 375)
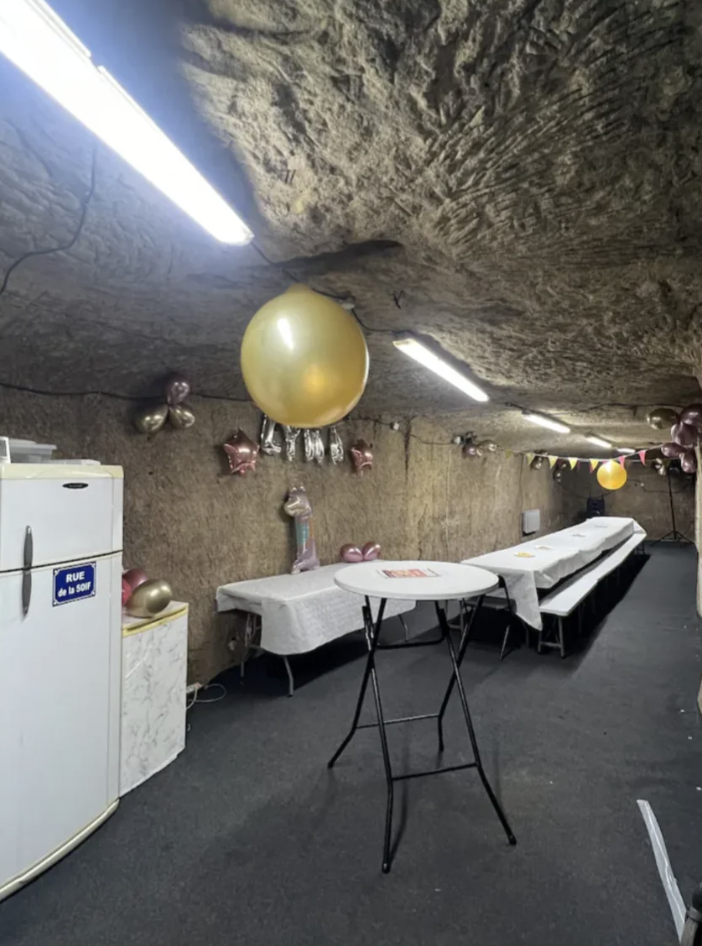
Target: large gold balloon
point(611, 475)
point(149, 599)
point(304, 359)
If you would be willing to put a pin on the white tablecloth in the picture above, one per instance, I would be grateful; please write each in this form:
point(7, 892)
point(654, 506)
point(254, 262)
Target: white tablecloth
point(301, 612)
point(542, 563)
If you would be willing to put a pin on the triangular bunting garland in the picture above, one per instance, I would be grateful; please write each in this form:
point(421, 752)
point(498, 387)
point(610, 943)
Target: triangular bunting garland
point(573, 462)
point(593, 465)
point(642, 456)
point(552, 461)
point(530, 457)
point(621, 460)
point(509, 454)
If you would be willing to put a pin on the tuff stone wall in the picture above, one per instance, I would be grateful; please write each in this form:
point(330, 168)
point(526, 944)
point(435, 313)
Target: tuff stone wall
point(188, 520)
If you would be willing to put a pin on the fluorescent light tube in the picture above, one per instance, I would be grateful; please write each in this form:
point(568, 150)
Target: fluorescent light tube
point(599, 441)
point(39, 43)
point(426, 357)
point(625, 450)
point(544, 421)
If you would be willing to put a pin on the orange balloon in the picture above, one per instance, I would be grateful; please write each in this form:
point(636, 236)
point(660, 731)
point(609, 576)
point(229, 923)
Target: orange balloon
point(611, 475)
point(304, 359)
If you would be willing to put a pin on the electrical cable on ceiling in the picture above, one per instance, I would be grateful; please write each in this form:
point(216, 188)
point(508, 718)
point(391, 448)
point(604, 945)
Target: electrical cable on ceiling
point(135, 398)
point(64, 247)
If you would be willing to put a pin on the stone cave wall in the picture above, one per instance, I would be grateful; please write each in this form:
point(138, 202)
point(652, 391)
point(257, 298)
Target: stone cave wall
point(644, 497)
point(189, 521)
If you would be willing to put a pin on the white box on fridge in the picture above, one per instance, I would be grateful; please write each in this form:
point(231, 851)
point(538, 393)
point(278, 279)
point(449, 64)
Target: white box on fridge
point(60, 640)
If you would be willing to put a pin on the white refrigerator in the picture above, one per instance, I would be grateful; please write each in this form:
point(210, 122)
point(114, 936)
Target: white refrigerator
point(60, 652)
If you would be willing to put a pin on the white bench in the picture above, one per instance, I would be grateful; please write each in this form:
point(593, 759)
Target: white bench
point(571, 594)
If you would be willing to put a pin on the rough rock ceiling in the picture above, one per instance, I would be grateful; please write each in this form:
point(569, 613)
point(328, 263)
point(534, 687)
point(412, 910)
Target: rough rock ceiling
point(517, 178)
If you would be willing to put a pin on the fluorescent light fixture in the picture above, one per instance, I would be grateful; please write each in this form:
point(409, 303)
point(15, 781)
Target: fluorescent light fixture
point(599, 441)
point(419, 352)
point(544, 421)
point(625, 450)
point(39, 43)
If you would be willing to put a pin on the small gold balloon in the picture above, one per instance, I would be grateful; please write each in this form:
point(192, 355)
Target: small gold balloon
point(149, 598)
point(304, 359)
point(611, 475)
point(151, 418)
point(181, 416)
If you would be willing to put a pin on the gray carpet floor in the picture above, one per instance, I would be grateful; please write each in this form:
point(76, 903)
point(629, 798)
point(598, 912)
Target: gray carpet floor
point(248, 839)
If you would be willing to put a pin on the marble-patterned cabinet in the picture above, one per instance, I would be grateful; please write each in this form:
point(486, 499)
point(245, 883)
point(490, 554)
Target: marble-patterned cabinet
point(154, 668)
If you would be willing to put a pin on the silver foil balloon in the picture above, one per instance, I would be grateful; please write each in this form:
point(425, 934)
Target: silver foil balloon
point(298, 506)
point(181, 416)
point(318, 445)
point(269, 445)
point(150, 419)
point(291, 434)
point(336, 447)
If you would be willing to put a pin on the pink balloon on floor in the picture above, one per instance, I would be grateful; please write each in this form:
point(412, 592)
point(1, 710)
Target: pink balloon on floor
point(371, 551)
point(126, 591)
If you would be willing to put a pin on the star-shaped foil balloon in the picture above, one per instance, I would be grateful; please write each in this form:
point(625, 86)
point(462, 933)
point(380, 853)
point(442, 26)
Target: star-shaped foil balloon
point(242, 453)
point(362, 456)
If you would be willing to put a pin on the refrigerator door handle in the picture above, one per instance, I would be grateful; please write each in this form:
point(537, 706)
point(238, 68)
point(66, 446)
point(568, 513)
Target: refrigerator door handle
point(27, 572)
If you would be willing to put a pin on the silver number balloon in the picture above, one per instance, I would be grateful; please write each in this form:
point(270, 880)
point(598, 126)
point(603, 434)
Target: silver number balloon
point(318, 446)
point(291, 435)
point(336, 447)
point(269, 445)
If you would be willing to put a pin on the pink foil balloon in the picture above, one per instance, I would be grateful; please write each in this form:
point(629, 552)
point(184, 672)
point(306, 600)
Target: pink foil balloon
point(242, 453)
point(371, 551)
point(177, 389)
point(135, 577)
point(350, 553)
point(672, 450)
point(362, 456)
point(684, 434)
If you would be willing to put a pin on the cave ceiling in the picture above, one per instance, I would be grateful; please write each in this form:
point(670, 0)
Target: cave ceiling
point(519, 179)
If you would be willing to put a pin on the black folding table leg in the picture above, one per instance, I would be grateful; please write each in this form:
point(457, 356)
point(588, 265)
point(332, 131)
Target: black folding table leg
point(372, 633)
point(456, 661)
point(510, 620)
point(465, 640)
point(386, 758)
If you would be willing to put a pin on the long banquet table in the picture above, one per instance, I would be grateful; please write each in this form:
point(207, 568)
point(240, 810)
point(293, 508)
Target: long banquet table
point(543, 562)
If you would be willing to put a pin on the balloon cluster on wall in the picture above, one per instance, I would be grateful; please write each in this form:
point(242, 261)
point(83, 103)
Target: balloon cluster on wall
point(684, 433)
point(473, 448)
point(143, 597)
point(151, 418)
